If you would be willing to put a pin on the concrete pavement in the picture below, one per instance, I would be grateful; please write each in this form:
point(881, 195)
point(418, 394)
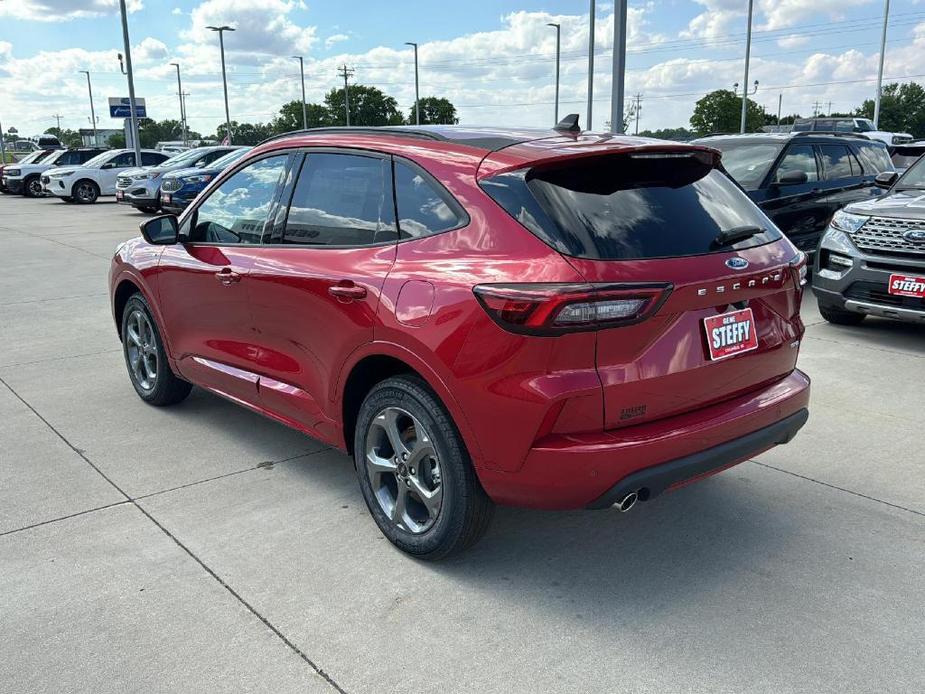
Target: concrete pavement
point(203, 548)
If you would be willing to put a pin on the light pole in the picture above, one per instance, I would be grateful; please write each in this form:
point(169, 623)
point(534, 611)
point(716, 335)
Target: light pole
point(886, 19)
point(302, 72)
point(96, 140)
point(2, 146)
point(183, 128)
point(619, 67)
point(417, 92)
point(558, 45)
point(221, 44)
point(748, 51)
point(131, 84)
point(591, 64)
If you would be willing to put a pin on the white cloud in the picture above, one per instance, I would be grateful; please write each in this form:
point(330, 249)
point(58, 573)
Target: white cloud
point(269, 29)
point(334, 39)
point(63, 10)
point(779, 14)
point(176, 11)
point(792, 41)
point(149, 50)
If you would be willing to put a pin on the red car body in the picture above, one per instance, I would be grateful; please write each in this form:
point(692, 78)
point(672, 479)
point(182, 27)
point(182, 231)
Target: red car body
point(551, 421)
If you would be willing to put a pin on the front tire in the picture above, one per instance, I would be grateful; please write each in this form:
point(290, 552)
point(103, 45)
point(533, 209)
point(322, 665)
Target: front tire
point(32, 187)
point(839, 316)
point(415, 473)
point(86, 192)
point(146, 358)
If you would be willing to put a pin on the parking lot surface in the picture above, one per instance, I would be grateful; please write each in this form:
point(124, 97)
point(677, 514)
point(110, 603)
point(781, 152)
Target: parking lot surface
point(204, 548)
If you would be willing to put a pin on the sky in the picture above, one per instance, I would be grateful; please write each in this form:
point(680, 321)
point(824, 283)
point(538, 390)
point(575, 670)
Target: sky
point(494, 59)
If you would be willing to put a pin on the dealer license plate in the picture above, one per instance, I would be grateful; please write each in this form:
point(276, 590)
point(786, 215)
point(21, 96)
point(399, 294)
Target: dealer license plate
point(731, 333)
point(907, 285)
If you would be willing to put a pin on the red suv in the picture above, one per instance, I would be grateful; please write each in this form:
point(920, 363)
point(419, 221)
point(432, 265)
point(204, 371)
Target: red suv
point(543, 318)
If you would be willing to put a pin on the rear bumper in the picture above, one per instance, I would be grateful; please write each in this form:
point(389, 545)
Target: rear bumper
point(587, 470)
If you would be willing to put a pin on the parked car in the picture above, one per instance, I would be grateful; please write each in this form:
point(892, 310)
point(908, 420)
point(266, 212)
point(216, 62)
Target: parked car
point(871, 259)
point(799, 180)
point(30, 158)
point(47, 141)
point(864, 126)
point(20, 146)
point(141, 187)
point(85, 184)
point(179, 188)
point(904, 156)
point(26, 178)
point(462, 311)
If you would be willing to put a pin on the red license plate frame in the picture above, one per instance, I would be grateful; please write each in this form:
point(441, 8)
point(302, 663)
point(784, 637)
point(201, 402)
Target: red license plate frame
point(906, 285)
point(725, 337)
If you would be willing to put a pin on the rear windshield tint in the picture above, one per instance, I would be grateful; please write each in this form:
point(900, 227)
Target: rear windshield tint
point(630, 206)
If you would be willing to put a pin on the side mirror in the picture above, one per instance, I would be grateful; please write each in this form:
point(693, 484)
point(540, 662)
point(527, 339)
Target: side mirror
point(161, 231)
point(109, 165)
point(886, 179)
point(793, 178)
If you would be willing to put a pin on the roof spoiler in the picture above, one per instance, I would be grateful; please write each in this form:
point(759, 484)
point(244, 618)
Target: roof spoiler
point(569, 124)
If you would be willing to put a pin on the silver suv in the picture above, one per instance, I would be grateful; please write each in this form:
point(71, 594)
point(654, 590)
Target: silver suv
point(871, 259)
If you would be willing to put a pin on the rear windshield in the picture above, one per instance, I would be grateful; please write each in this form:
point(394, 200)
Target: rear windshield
point(631, 206)
point(747, 162)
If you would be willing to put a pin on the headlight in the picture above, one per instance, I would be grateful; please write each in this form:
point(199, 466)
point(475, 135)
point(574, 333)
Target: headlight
point(60, 174)
point(144, 176)
point(201, 178)
point(12, 172)
point(845, 221)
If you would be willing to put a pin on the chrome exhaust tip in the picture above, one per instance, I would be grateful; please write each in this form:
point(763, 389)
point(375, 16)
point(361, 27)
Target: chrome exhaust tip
point(627, 502)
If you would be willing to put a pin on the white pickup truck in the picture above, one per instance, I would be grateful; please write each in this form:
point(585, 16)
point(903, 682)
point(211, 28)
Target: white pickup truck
point(865, 126)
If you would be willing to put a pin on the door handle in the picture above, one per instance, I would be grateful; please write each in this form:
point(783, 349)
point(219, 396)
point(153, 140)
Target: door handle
point(347, 292)
point(227, 276)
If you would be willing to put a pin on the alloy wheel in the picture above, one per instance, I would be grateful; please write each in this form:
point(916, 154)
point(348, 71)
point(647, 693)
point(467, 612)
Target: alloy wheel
point(85, 192)
point(35, 187)
point(141, 349)
point(404, 470)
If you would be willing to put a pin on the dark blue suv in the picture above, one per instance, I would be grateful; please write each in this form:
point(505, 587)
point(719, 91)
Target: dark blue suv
point(180, 187)
point(801, 179)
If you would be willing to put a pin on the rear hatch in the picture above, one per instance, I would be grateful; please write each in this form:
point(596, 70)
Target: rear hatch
point(718, 286)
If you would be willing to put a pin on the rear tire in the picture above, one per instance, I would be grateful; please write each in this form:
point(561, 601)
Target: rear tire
point(415, 473)
point(32, 187)
point(838, 316)
point(86, 191)
point(145, 356)
point(67, 198)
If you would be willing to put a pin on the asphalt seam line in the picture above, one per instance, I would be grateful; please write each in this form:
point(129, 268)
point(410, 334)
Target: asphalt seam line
point(320, 672)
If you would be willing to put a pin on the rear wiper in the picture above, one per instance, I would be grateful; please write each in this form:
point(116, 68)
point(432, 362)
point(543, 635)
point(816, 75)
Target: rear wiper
point(729, 236)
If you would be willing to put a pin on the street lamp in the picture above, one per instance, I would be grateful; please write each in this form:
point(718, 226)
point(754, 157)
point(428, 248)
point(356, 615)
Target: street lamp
point(886, 19)
point(96, 140)
point(302, 72)
point(619, 68)
point(131, 83)
point(591, 63)
point(221, 43)
point(748, 52)
point(182, 109)
point(417, 94)
point(558, 37)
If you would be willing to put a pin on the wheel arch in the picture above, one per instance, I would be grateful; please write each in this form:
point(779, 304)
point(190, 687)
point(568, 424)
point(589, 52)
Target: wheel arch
point(124, 287)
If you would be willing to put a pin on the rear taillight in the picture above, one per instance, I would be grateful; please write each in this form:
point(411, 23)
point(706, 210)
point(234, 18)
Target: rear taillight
point(553, 309)
point(799, 269)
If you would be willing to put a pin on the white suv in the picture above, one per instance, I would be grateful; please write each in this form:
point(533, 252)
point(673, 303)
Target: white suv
point(84, 184)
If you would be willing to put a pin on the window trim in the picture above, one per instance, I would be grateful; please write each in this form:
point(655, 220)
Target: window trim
point(192, 212)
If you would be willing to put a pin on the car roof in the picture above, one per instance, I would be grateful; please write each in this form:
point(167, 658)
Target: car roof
point(493, 149)
point(823, 136)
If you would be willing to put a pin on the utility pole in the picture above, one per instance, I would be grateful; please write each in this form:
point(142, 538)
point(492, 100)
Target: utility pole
point(183, 129)
point(417, 93)
point(558, 29)
point(302, 73)
point(591, 65)
point(638, 99)
point(780, 101)
point(886, 20)
point(131, 83)
point(58, 118)
point(346, 72)
point(619, 67)
point(816, 107)
point(96, 140)
point(2, 146)
point(221, 43)
point(829, 112)
point(748, 52)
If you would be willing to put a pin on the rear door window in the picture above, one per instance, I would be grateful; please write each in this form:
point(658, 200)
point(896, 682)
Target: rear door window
point(838, 162)
point(798, 158)
point(874, 158)
point(342, 200)
point(631, 206)
point(151, 158)
point(423, 207)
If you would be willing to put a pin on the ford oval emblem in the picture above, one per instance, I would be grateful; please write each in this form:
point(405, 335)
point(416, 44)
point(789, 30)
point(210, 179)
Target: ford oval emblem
point(737, 263)
point(915, 235)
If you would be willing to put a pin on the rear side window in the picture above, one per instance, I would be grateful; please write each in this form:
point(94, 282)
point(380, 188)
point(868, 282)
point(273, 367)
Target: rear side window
point(423, 208)
point(85, 156)
point(627, 207)
point(342, 200)
point(874, 158)
point(798, 158)
point(838, 162)
point(151, 158)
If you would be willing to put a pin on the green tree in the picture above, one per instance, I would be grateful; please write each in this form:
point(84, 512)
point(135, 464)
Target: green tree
point(902, 109)
point(68, 138)
point(677, 134)
point(116, 141)
point(721, 111)
point(435, 111)
point(246, 133)
point(368, 106)
point(290, 117)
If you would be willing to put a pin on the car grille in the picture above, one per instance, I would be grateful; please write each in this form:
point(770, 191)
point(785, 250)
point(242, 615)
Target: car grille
point(171, 184)
point(123, 182)
point(876, 293)
point(884, 235)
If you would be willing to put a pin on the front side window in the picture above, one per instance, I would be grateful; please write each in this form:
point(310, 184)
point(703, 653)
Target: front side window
point(874, 157)
point(798, 158)
point(423, 209)
point(838, 162)
point(124, 159)
point(341, 200)
point(236, 211)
